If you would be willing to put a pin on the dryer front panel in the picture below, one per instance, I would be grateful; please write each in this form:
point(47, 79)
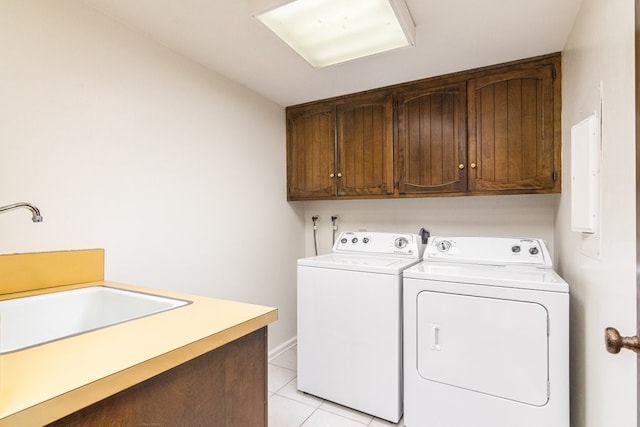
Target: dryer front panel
point(498, 347)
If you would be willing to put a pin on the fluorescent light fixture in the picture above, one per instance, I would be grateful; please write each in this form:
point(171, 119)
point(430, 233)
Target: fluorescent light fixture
point(326, 32)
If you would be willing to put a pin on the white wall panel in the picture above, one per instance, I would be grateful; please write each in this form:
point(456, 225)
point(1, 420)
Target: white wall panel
point(602, 286)
point(176, 171)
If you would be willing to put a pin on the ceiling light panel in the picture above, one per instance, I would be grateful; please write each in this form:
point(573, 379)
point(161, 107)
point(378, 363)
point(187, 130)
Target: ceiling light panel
point(326, 32)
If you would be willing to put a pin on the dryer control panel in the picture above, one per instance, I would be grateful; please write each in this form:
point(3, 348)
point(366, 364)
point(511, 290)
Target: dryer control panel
point(489, 250)
point(380, 243)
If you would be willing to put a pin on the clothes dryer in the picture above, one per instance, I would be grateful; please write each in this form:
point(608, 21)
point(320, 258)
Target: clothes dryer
point(486, 336)
point(350, 321)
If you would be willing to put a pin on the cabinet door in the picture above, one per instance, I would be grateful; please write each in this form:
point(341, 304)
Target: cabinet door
point(432, 139)
point(511, 130)
point(365, 145)
point(311, 152)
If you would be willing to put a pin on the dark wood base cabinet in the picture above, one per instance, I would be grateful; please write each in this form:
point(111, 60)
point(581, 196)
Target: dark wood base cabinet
point(225, 387)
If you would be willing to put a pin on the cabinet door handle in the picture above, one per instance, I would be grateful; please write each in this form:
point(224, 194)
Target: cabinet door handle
point(331, 176)
point(473, 166)
point(339, 175)
point(460, 166)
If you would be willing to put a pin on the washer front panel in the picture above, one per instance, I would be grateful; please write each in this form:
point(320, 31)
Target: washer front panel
point(350, 339)
point(486, 345)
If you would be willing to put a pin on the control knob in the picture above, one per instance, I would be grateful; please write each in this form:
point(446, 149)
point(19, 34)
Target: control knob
point(401, 242)
point(533, 250)
point(365, 240)
point(354, 240)
point(343, 240)
point(443, 245)
point(515, 249)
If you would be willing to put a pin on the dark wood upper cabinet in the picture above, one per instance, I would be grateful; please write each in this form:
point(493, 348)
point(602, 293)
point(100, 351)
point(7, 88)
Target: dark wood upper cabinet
point(341, 148)
point(512, 144)
point(432, 153)
point(311, 139)
point(365, 145)
point(492, 130)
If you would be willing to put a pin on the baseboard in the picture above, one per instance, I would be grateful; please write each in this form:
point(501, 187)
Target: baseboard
point(282, 348)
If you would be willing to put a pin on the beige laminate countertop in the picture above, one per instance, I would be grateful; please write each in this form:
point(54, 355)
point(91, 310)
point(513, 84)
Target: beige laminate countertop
point(41, 384)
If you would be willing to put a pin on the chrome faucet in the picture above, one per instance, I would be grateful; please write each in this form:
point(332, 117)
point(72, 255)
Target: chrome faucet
point(34, 211)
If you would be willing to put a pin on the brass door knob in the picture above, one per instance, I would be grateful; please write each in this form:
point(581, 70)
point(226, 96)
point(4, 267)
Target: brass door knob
point(339, 175)
point(615, 342)
point(473, 166)
point(331, 176)
point(460, 166)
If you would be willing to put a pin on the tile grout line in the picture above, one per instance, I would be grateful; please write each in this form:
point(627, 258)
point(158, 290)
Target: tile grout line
point(310, 415)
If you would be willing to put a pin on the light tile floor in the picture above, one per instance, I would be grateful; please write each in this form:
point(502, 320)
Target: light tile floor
point(290, 408)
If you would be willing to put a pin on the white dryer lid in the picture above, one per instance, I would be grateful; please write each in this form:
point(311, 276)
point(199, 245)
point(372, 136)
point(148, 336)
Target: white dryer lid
point(542, 279)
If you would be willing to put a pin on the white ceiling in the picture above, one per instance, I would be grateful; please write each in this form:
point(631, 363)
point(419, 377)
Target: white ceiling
point(451, 35)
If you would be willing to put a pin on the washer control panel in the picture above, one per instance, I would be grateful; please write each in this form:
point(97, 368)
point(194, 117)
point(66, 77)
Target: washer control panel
point(380, 243)
point(489, 250)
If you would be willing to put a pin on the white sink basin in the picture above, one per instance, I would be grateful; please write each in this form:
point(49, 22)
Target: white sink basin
point(34, 320)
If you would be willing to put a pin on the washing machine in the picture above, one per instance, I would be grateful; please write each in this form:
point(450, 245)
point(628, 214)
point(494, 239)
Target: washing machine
point(350, 321)
point(486, 336)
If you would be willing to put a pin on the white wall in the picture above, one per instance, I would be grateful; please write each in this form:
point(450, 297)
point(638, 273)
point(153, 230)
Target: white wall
point(503, 216)
point(177, 172)
point(603, 289)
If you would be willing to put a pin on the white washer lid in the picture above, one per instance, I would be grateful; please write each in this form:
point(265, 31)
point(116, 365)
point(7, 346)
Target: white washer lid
point(542, 279)
point(362, 263)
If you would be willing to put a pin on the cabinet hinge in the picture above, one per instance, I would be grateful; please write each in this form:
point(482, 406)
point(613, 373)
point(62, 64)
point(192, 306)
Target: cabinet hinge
point(554, 176)
point(396, 185)
point(554, 74)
